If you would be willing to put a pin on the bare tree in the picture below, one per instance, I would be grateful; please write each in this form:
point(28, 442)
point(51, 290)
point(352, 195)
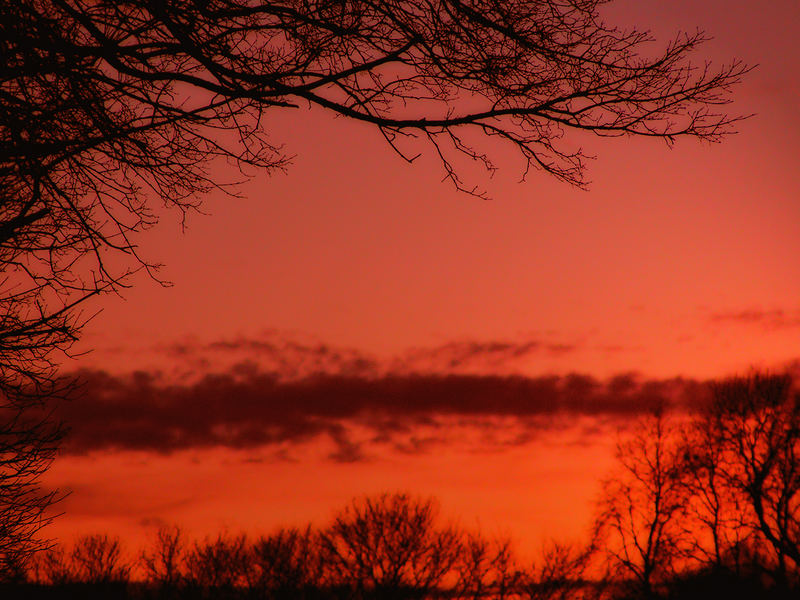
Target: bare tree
point(28, 443)
point(486, 568)
point(219, 564)
point(163, 562)
point(287, 564)
point(754, 426)
point(389, 546)
point(98, 559)
point(642, 507)
point(717, 514)
point(53, 567)
point(559, 574)
point(108, 109)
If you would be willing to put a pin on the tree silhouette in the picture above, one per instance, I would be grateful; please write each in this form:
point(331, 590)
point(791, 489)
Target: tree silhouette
point(716, 507)
point(108, 109)
point(642, 507)
point(393, 546)
point(389, 546)
point(28, 443)
point(559, 575)
point(53, 567)
point(163, 562)
point(287, 564)
point(717, 521)
point(754, 424)
point(98, 560)
point(486, 568)
point(219, 564)
point(94, 563)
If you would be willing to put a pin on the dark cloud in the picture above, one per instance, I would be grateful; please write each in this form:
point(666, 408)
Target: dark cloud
point(768, 319)
point(247, 407)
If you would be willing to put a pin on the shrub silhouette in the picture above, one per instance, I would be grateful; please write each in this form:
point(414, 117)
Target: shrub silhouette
point(218, 566)
point(287, 564)
point(643, 506)
point(389, 546)
point(163, 562)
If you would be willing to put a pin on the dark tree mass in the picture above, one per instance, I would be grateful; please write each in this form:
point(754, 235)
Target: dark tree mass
point(110, 109)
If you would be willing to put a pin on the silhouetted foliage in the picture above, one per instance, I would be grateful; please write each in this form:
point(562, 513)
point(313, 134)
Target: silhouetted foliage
point(707, 508)
point(720, 582)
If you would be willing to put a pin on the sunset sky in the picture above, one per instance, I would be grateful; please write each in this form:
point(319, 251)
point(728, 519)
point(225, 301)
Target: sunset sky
point(355, 325)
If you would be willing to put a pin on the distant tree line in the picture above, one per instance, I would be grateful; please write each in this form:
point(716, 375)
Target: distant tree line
point(391, 546)
point(705, 505)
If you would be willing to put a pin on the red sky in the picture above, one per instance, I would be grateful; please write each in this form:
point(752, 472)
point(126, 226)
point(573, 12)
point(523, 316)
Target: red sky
point(677, 262)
